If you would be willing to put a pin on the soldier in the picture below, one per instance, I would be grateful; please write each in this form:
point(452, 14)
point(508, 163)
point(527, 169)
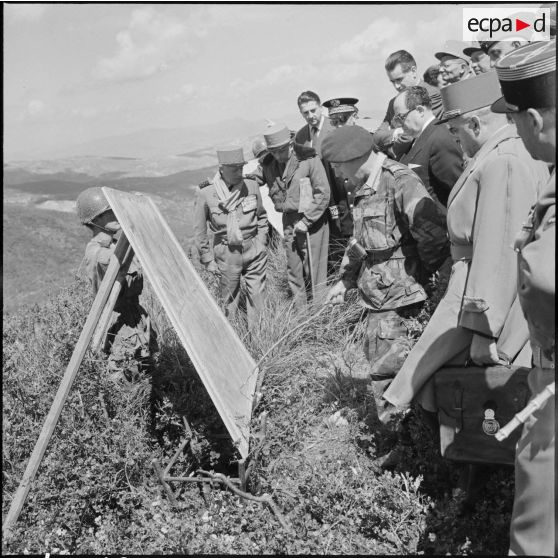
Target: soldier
point(299, 188)
point(528, 81)
point(232, 206)
point(131, 341)
point(399, 241)
point(477, 318)
point(342, 112)
point(480, 61)
point(453, 66)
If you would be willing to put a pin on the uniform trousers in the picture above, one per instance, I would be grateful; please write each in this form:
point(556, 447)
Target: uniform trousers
point(533, 524)
point(248, 260)
point(387, 345)
point(298, 269)
point(131, 340)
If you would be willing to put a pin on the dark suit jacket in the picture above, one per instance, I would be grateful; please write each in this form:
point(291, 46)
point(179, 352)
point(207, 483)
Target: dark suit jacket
point(382, 136)
point(340, 218)
point(303, 136)
point(440, 160)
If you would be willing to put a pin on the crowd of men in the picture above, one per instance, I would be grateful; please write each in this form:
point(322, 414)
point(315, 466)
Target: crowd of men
point(444, 187)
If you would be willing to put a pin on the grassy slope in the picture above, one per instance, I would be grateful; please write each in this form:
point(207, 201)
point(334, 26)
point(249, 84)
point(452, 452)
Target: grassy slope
point(96, 492)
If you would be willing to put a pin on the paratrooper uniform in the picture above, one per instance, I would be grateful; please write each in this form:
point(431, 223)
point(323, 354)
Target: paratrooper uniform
point(403, 232)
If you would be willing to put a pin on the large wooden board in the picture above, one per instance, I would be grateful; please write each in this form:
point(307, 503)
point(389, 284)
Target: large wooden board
point(224, 365)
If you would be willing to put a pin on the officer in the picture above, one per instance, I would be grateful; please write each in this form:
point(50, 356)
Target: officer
point(528, 81)
point(232, 206)
point(131, 341)
point(342, 111)
point(299, 188)
point(477, 319)
point(399, 240)
point(480, 61)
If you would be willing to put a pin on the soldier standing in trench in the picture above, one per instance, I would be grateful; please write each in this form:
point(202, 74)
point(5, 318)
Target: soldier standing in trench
point(131, 341)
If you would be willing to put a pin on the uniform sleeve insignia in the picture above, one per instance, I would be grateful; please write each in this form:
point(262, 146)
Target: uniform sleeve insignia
point(204, 184)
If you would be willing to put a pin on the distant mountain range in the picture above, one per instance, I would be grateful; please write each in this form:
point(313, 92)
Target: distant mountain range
point(43, 242)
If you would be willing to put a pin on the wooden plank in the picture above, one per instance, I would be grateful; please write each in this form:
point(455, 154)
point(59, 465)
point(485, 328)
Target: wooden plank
point(100, 335)
point(66, 384)
point(224, 365)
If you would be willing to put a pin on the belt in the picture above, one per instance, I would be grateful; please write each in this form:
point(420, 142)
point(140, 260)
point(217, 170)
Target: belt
point(461, 252)
point(222, 239)
point(540, 361)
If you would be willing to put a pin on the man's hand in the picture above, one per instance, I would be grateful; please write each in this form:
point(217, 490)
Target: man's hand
point(397, 133)
point(336, 294)
point(300, 227)
point(212, 267)
point(483, 350)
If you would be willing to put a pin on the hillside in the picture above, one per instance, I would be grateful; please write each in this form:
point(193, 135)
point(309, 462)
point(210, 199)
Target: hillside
point(43, 241)
point(96, 492)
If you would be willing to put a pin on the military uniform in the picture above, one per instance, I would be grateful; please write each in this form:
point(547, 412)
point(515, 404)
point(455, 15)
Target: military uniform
point(528, 80)
point(303, 170)
point(485, 208)
point(247, 255)
point(131, 339)
point(403, 232)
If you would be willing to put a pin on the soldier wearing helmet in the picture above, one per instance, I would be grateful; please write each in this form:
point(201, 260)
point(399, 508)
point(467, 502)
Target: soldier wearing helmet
point(130, 340)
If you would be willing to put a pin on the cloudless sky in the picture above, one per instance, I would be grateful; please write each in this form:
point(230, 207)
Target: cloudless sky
point(75, 72)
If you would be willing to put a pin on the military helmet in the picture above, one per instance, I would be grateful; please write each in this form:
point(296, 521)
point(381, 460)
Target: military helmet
point(90, 204)
point(259, 147)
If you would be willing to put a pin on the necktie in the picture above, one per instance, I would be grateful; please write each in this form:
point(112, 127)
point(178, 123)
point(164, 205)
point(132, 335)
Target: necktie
point(313, 134)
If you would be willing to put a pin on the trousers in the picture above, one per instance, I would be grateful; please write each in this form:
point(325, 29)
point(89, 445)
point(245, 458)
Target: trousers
point(299, 273)
point(387, 345)
point(248, 260)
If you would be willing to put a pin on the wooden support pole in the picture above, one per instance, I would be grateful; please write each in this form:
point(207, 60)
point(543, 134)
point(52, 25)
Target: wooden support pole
point(159, 472)
point(102, 327)
point(65, 385)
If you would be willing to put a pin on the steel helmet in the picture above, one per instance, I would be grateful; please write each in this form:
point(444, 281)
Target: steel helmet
point(259, 147)
point(90, 204)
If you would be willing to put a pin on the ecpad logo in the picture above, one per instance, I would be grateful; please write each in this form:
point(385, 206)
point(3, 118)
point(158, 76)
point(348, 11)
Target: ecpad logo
point(506, 24)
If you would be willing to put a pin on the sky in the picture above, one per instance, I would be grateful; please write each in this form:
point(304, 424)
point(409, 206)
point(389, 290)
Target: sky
point(77, 72)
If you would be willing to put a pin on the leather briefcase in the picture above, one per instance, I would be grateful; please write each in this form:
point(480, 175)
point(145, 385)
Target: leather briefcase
point(473, 403)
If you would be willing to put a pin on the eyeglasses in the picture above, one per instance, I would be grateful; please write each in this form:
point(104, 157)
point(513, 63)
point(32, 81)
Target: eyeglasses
point(398, 119)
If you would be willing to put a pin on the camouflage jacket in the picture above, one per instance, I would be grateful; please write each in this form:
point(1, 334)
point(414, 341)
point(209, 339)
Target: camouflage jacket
point(403, 230)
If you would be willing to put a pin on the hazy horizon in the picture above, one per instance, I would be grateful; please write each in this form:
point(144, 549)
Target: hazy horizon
point(76, 73)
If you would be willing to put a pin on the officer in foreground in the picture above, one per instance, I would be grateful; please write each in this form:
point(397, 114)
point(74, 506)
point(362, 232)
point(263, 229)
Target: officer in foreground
point(399, 241)
point(232, 207)
point(528, 80)
point(131, 341)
